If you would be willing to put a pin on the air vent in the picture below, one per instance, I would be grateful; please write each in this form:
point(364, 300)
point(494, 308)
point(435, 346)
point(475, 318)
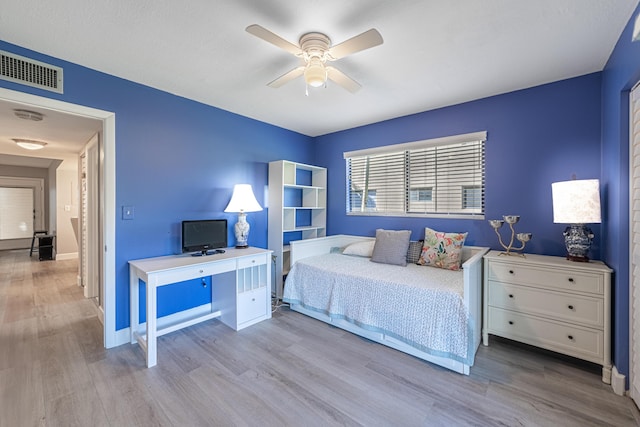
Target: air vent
point(26, 71)
point(33, 116)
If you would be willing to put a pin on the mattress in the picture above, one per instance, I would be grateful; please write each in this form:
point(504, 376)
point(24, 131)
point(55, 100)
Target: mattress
point(418, 305)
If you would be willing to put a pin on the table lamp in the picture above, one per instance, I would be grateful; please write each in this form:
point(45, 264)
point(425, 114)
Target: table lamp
point(242, 201)
point(577, 202)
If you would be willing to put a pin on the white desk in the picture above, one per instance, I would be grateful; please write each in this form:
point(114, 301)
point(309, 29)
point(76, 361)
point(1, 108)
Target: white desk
point(238, 305)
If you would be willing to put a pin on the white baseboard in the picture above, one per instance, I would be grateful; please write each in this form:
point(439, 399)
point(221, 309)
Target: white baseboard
point(123, 336)
point(618, 382)
point(70, 255)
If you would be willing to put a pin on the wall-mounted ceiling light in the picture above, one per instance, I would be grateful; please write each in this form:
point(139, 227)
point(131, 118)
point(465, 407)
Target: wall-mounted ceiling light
point(315, 74)
point(30, 144)
point(34, 116)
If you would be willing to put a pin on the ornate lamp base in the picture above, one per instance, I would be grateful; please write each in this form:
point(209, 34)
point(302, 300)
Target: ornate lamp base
point(242, 231)
point(577, 239)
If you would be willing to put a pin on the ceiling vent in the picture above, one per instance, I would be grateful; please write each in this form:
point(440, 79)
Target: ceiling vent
point(18, 69)
point(34, 116)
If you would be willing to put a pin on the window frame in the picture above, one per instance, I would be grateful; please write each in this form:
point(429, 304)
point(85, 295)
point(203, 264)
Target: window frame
point(446, 193)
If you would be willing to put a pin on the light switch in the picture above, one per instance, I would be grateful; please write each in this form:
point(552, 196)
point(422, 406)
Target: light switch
point(127, 212)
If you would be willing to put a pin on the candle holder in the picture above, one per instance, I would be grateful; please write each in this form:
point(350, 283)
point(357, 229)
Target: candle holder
point(523, 238)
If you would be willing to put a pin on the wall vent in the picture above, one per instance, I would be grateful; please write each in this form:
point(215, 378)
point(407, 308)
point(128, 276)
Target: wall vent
point(26, 71)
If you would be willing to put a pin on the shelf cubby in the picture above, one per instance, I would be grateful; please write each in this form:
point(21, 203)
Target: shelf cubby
point(297, 210)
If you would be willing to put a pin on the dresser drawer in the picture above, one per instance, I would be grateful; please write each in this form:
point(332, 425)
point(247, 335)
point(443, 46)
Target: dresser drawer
point(251, 261)
point(585, 310)
point(252, 304)
point(558, 278)
point(581, 342)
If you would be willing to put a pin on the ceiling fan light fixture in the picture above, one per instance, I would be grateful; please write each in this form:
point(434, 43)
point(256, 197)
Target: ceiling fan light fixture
point(315, 75)
point(30, 144)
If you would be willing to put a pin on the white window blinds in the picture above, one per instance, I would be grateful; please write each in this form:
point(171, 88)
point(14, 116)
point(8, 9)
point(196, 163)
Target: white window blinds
point(16, 213)
point(438, 177)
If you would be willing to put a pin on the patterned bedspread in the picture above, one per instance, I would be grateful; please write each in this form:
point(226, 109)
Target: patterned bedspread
point(421, 306)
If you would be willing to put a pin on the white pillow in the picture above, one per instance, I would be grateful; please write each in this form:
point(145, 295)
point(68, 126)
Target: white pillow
point(364, 249)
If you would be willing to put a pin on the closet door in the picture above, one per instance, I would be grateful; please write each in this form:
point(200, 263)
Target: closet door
point(634, 268)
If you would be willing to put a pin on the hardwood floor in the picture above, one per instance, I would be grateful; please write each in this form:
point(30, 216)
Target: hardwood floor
point(290, 370)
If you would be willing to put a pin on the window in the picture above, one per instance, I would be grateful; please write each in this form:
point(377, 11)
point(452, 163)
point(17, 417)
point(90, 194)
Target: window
point(471, 197)
point(371, 198)
point(424, 194)
point(441, 177)
point(16, 213)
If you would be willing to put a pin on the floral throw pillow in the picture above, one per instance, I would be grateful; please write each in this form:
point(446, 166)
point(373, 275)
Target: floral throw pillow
point(442, 250)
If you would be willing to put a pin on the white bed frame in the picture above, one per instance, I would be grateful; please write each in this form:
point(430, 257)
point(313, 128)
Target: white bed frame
point(472, 273)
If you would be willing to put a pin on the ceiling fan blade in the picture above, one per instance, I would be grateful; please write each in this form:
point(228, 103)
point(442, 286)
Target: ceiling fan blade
point(355, 44)
point(287, 77)
point(274, 39)
point(343, 80)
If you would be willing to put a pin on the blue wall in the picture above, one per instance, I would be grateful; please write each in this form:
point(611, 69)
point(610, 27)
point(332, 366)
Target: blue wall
point(619, 76)
point(535, 137)
point(176, 159)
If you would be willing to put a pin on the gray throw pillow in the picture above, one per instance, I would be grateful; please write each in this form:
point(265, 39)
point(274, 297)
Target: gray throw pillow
point(414, 251)
point(391, 247)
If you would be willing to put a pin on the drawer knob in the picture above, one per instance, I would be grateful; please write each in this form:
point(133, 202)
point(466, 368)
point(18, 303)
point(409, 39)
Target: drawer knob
point(570, 307)
point(570, 337)
point(571, 279)
point(201, 271)
point(253, 299)
point(510, 295)
point(510, 271)
point(511, 322)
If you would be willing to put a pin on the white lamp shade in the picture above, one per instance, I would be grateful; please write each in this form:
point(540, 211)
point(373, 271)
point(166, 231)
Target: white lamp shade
point(243, 200)
point(576, 201)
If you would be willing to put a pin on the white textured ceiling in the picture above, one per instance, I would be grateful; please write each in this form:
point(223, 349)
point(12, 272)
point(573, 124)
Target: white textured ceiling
point(435, 53)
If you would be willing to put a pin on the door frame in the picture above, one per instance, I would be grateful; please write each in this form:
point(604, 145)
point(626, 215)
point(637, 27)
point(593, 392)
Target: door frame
point(634, 393)
point(107, 192)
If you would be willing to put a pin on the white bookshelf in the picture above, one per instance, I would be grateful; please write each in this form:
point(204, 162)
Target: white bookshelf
point(297, 210)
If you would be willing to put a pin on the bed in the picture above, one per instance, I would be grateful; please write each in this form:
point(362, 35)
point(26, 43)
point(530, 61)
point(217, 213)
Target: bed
point(430, 313)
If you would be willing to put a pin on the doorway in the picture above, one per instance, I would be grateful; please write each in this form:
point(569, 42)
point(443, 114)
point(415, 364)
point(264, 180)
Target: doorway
point(106, 194)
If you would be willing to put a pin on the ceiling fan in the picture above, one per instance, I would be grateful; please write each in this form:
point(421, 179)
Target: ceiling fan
point(315, 50)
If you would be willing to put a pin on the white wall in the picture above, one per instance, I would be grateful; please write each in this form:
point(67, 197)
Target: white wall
point(67, 207)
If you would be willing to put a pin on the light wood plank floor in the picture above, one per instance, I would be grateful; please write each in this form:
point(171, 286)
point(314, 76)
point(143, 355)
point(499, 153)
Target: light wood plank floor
point(290, 370)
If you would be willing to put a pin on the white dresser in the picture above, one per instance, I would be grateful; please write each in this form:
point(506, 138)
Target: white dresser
point(550, 302)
